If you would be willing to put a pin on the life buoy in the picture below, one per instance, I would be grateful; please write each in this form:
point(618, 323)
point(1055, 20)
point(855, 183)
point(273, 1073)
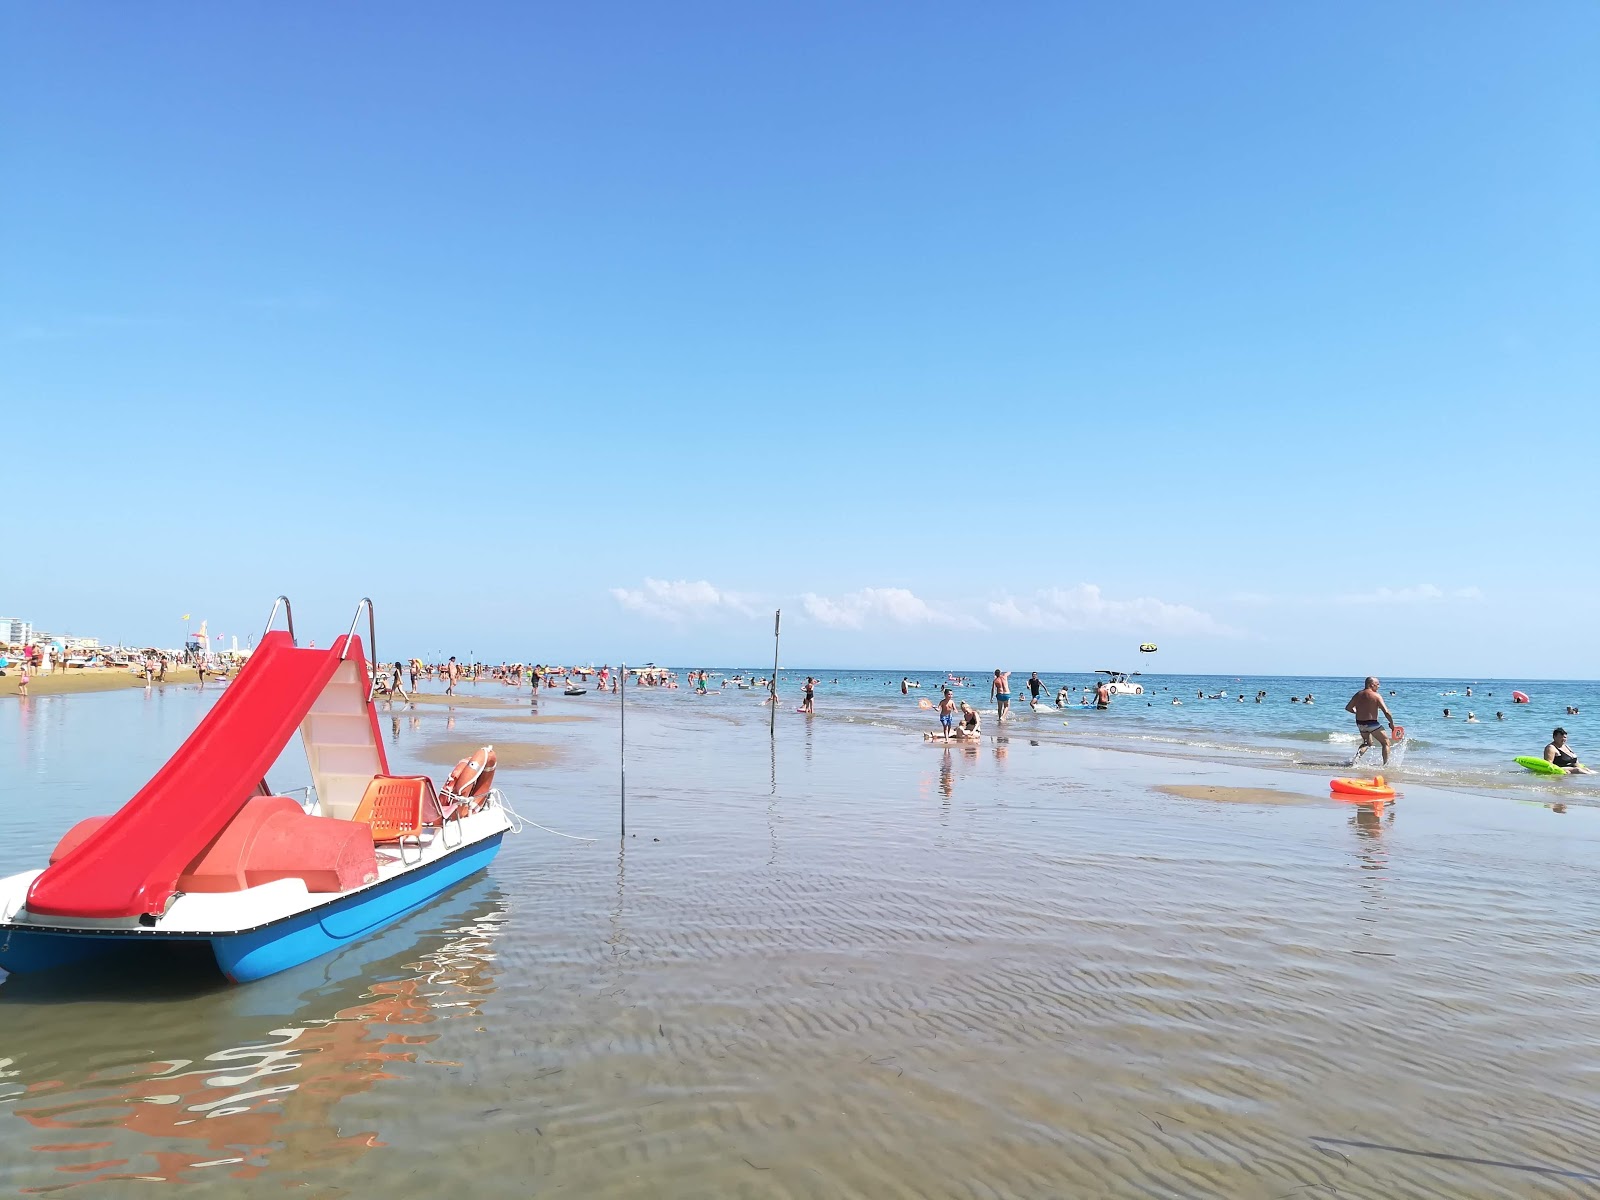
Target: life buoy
point(1519, 698)
point(469, 784)
point(1376, 788)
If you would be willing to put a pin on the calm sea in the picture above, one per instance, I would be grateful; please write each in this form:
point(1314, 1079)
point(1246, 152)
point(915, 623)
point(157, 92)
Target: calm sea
point(1212, 720)
point(843, 962)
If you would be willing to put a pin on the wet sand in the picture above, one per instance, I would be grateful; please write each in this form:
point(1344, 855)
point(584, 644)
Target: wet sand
point(508, 754)
point(89, 679)
point(836, 964)
point(1233, 795)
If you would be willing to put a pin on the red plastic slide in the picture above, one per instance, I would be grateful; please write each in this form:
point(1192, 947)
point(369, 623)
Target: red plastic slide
point(130, 865)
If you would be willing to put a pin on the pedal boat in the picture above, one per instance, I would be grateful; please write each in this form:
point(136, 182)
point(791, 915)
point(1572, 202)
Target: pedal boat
point(206, 853)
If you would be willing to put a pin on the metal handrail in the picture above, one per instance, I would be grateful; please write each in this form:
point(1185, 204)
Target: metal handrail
point(288, 611)
point(372, 644)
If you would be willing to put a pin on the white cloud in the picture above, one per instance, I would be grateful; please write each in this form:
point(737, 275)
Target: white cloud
point(1084, 608)
point(1419, 593)
point(683, 600)
point(895, 606)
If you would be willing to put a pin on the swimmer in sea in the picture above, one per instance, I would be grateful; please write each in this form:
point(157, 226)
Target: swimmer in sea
point(1365, 706)
point(1000, 693)
point(1559, 754)
point(1063, 696)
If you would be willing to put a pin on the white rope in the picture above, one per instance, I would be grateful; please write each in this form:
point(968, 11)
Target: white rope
point(518, 821)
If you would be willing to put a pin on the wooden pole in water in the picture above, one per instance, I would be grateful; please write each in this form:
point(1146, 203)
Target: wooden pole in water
point(622, 752)
point(777, 620)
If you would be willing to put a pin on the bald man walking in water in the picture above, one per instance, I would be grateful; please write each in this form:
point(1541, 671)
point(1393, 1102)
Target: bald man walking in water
point(1365, 706)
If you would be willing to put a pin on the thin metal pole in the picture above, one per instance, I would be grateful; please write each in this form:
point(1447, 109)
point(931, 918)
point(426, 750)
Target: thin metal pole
point(777, 621)
point(622, 694)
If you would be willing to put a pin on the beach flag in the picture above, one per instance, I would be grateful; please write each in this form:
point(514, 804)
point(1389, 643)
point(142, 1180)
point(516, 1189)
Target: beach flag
point(185, 616)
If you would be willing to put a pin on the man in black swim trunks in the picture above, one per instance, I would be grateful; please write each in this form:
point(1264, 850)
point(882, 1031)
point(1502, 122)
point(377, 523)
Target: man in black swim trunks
point(1365, 706)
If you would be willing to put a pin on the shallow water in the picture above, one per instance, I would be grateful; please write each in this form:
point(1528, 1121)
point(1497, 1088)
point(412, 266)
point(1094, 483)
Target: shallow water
point(1211, 721)
point(846, 963)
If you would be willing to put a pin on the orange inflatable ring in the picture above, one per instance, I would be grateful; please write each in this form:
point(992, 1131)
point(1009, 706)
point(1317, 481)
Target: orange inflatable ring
point(470, 782)
point(1376, 788)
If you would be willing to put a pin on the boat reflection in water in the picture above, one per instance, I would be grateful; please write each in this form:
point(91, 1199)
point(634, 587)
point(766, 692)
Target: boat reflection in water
point(265, 1102)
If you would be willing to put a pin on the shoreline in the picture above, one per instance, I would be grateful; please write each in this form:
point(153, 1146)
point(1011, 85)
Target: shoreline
point(85, 680)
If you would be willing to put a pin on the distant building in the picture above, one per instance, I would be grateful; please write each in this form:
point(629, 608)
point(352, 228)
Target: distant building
point(15, 631)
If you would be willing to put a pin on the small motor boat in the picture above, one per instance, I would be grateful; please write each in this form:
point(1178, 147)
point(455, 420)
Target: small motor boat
point(576, 691)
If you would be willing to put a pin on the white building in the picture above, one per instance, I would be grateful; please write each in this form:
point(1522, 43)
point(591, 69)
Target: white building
point(15, 631)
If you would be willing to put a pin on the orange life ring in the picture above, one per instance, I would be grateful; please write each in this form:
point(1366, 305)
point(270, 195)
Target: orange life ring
point(1376, 788)
point(471, 780)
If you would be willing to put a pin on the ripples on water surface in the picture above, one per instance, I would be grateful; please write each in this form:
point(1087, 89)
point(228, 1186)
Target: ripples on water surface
point(855, 965)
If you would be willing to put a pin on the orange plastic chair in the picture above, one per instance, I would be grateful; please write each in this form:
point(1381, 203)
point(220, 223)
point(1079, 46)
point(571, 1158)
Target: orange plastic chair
point(399, 807)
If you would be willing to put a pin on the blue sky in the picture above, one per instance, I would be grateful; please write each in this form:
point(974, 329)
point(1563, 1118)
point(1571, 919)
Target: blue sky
point(1023, 333)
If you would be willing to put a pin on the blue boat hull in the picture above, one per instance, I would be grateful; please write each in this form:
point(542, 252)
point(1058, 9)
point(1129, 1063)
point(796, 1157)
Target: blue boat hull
point(257, 953)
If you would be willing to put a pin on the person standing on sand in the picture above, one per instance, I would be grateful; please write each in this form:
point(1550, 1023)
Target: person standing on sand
point(1000, 693)
point(452, 672)
point(1365, 706)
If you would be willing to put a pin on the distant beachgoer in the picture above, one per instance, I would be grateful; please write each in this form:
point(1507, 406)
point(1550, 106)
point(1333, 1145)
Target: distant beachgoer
point(1447, 712)
point(200, 670)
point(1469, 691)
point(452, 673)
point(1035, 686)
point(905, 686)
point(22, 680)
point(1365, 706)
point(1472, 719)
point(1559, 754)
point(1000, 693)
point(947, 712)
point(1499, 716)
point(1063, 696)
point(808, 696)
point(1102, 695)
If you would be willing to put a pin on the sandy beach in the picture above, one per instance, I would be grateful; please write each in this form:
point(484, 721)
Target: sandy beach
point(89, 679)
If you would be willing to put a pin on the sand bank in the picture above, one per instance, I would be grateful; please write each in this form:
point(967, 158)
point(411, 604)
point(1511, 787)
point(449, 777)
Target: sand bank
point(88, 679)
point(543, 719)
point(459, 700)
point(507, 754)
point(1233, 795)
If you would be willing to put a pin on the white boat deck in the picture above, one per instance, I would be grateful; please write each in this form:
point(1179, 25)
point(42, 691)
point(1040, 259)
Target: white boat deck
point(209, 913)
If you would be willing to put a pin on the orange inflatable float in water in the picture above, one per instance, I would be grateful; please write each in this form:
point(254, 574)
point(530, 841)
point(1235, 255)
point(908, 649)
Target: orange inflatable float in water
point(1520, 698)
point(1376, 788)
